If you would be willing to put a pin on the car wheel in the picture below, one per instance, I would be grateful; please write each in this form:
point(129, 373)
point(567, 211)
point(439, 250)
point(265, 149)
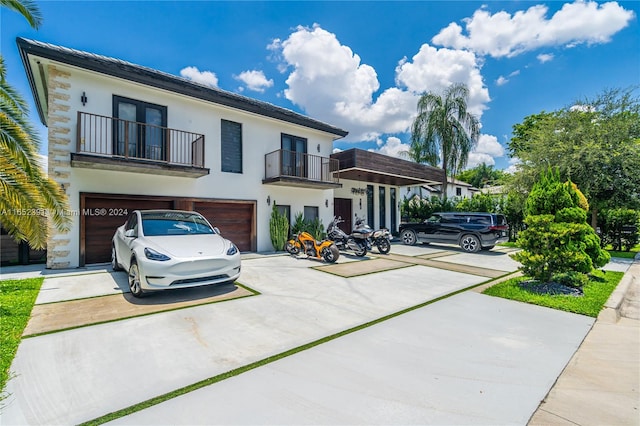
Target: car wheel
point(487, 248)
point(114, 259)
point(134, 280)
point(409, 237)
point(470, 243)
point(331, 254)
point(384, 246)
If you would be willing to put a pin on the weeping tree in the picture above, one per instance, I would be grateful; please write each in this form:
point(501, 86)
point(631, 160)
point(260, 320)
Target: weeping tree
point(444, 132)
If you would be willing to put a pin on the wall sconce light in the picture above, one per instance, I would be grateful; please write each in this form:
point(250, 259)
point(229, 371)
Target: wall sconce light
point(268, 200)
point(360, 203)
point(318, 147)
point(83, 99)
point(326, 203)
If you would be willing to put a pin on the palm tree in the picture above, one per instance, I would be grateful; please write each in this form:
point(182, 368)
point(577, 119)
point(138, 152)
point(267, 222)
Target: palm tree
point(27, 195)
point(444, 131)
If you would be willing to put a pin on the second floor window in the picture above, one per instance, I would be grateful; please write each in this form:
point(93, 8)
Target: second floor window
point(458, 192)
point(231, 146)
point(139, 129)
point(294, 155)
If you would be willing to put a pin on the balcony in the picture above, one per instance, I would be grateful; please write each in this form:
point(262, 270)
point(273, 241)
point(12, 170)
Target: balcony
point(289, 168)
point(110, 143)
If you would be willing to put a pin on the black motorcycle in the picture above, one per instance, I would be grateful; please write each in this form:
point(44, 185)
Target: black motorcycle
point(380, 238)
point(357, 241)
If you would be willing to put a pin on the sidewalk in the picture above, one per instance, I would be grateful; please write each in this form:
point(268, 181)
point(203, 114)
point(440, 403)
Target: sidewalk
point(600, 385)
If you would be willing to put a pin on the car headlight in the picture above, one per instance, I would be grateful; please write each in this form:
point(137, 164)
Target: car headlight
point(232, 250)
point(154, 255)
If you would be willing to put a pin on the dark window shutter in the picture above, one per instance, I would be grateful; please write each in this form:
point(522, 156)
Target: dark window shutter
point(231, 146)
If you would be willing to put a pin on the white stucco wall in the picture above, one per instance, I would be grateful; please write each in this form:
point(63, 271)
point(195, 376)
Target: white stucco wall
point(260, 135)
point(347, 192)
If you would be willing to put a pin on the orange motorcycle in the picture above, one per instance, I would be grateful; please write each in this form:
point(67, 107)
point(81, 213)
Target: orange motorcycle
point(306, 243)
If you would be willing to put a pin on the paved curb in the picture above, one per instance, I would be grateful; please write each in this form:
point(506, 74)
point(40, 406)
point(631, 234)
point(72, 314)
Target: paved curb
point(610, 312)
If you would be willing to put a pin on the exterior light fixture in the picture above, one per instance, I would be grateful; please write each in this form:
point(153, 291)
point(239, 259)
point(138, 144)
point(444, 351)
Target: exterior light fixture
point(268, 200)
point(360, 203)
point(326, 203)
point(83, 99)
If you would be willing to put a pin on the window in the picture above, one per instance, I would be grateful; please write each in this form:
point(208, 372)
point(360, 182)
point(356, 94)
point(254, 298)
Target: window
point(310, 213)
point(231, 146)
point(458, 191)
point(294, 158)
point(132, 223)
point(394, 214)
point(139, 129)
point(382, 206)
point(370, 206)
point(285, 211)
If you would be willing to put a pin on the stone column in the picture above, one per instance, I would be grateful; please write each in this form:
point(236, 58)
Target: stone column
point(60, 148)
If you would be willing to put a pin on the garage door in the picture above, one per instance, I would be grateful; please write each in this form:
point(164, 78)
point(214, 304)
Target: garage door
point(102, 215)
point(234, 219)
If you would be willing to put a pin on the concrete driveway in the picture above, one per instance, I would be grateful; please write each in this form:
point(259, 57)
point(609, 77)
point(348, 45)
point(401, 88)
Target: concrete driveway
point(469, 358)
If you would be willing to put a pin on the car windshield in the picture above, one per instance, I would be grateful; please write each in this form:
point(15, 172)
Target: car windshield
point(174, 223)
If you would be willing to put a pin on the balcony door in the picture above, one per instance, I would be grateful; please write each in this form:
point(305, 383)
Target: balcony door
point(139, 129)
point(294, 156)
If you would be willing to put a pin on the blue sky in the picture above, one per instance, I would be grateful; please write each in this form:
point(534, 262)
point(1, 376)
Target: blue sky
point(362, 65)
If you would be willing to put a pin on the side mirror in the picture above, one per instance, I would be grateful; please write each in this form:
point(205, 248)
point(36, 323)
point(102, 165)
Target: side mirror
point(216, 230)
point(130, 233)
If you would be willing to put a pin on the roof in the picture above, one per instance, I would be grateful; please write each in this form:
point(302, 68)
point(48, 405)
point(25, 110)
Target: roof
point(368, 166)
point(151, 77)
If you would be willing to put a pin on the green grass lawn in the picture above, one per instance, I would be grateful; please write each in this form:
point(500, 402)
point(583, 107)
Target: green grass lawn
point(624, 254)
point(16, 301)
point(596, 293)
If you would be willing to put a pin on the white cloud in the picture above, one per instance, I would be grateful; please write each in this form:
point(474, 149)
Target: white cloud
point(434, 70)
point(43, 162)
point(477, 158)
point(254, 80)
point(514, 164)
point(206, 78)
point(393, 147)
point(501, 81)
point(545, 57)
point(503, 34)
point(485, 151)
point(328, 80)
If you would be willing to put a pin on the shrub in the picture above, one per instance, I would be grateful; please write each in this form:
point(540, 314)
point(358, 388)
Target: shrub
point(278, 229)
point(314, 226)
point(557, 239)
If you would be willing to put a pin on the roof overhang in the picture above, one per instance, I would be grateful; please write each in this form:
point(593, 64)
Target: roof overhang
point(366, 166)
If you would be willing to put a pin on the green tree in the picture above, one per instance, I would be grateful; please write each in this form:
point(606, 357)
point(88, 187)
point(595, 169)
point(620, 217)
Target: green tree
point(557, 239)
point(444, 131)
point(595, 144)
point(483, 175)
point(27, 195)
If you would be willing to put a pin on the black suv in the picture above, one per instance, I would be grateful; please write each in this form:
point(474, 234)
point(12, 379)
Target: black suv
point(472, 231)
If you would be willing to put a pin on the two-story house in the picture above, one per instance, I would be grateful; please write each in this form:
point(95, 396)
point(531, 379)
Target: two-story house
point(123, 137)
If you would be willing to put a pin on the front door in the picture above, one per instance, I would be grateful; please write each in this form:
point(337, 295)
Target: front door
point(139, 129)
point(342, 209)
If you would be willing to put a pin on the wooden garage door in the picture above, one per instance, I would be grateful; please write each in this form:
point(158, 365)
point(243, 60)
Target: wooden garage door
point(102, 215)
point(234, 219)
